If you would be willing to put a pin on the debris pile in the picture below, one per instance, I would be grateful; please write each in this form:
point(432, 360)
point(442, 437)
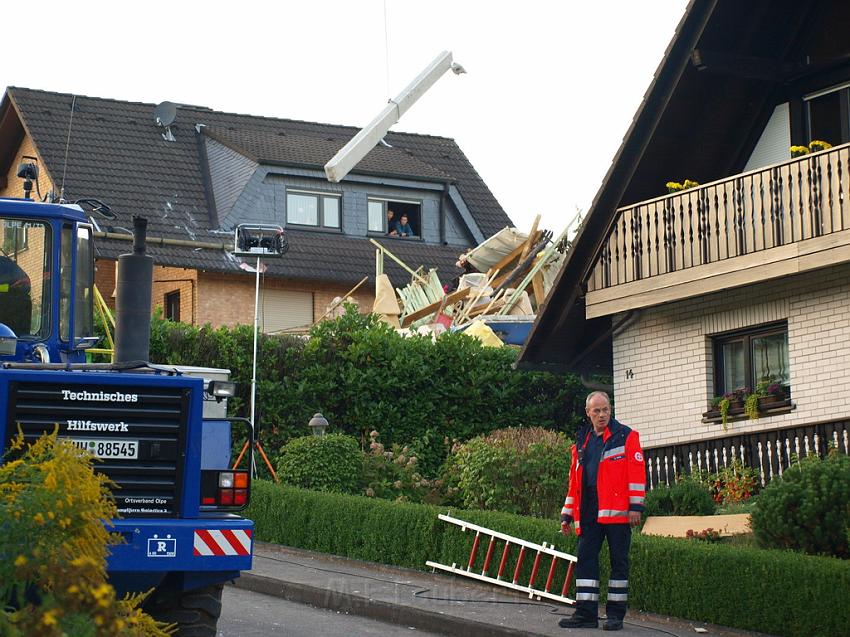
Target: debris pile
point(506, 280)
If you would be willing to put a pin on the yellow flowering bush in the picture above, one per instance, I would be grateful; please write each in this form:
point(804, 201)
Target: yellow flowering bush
point(799, 151)
point(816, 145)
point(675, 186)
point(53, 548)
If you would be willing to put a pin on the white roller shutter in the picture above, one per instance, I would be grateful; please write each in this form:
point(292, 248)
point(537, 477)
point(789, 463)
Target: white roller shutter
point(772, 147)
point(284, 309)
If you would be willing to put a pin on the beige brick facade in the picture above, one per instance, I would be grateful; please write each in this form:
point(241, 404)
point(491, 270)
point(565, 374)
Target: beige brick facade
point(14, 186)
point(663, 358)
point(228, 299)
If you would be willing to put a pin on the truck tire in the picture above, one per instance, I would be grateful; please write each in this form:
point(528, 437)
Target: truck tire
point(195, 612)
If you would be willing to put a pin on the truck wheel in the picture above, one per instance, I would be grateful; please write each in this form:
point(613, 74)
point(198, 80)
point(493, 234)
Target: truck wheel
point(195, 612)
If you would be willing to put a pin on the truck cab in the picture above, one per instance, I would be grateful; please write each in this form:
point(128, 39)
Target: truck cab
point(177, 496)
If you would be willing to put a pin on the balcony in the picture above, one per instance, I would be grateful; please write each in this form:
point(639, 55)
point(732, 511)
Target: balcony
point(773, 222)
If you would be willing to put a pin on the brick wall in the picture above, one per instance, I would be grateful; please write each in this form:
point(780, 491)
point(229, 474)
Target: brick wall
point(169, 280)
point(225, 299)
point(15, 186)
point(663, 360)
point(104, 279)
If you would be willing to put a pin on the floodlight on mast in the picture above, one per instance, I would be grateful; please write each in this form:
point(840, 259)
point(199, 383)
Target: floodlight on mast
point(349, 155)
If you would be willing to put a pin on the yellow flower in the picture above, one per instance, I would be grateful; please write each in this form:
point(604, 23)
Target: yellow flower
point(39, 518)
point(21, 560)
point(49, 618)
point(816, 144)
point(798, 151)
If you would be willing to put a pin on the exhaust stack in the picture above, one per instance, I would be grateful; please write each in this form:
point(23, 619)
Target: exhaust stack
point(133, 302)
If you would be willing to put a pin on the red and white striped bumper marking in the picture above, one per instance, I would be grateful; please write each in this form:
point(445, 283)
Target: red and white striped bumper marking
point(225, 542)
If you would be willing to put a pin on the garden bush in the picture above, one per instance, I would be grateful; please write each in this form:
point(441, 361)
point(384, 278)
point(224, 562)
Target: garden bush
point(684, 497)
point(54, 548)
point(807, 508)
point(516, 470)
point(325, 463)
point(362, 376)
point(742, 587)
point(393, 474)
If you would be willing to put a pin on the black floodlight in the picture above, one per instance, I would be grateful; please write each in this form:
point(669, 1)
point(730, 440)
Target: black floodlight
point(260, 241)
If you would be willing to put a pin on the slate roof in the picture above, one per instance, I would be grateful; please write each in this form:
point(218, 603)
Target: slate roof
point(115, 152)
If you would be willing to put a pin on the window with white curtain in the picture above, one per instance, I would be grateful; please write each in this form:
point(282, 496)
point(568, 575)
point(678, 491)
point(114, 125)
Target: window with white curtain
point(313, 209)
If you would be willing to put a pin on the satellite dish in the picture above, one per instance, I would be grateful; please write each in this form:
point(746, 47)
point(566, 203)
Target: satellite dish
point(165, 113)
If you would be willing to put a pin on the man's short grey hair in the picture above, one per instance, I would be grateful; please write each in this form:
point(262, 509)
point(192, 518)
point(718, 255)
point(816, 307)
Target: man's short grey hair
point(593, 395)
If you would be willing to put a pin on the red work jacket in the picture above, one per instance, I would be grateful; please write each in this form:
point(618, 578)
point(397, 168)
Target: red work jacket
point(620, 482)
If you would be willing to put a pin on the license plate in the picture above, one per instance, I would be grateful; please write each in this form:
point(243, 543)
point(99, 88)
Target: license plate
point(109, 449)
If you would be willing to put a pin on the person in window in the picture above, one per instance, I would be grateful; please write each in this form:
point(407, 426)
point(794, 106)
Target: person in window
point(392, 224)
point(403, 227)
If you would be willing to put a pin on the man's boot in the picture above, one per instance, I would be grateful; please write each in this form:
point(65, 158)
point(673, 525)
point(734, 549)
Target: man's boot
point(578, 621)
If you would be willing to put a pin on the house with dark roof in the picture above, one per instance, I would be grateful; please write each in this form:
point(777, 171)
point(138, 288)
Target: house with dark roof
point(721, 313)
point(211, 171)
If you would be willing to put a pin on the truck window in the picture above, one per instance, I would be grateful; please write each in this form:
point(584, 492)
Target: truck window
point(25, 253)
point(83, 304)
point(65, 284)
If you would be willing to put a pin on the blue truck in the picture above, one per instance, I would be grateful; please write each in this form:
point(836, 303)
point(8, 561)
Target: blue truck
point(178, 499)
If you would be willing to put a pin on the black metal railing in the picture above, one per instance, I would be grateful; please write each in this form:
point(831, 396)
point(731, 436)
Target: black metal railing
point(768, 452)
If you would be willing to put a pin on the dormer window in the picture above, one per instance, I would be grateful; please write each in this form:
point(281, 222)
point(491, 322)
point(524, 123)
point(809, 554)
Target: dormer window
point(395, 217)
point(320, 210)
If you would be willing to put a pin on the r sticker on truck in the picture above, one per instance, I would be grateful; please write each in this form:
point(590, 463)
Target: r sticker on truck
point(162, 547)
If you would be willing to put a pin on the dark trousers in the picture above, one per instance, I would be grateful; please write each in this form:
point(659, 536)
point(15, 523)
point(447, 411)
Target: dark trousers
point(587, 570)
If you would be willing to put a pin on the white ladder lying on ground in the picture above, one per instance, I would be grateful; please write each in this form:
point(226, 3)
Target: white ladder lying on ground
point(510, 541)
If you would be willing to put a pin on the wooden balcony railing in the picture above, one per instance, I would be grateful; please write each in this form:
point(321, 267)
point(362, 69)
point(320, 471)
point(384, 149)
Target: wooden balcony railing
point(799, 199)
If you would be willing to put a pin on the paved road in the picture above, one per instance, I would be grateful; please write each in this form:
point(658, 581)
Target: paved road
point(247, 614)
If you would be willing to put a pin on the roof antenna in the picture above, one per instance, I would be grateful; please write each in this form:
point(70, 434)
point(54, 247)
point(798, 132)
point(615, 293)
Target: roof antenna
point(165, 113)
point(67, 146)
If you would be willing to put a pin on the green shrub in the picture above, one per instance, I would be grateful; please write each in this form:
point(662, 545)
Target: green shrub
point(685, 497)
point(658, 502)
point(736, 586)
point(324, 463)
point(394, 474)
point(808, 508)
point(516, 470)
point(362, 376)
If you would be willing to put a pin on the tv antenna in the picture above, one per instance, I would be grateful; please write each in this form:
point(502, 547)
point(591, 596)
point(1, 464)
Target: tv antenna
point(165, 113)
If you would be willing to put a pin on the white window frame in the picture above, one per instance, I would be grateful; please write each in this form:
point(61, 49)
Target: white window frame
point(384, 201)
point(320, 208)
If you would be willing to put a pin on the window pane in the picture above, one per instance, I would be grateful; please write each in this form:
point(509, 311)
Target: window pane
point(25, 276)
point(331, 212)
point(65, 284)
point(825, 118)
point(376, 216)
point(83, 297)
point(734, 372)
point(770, 358)
point(302, 209)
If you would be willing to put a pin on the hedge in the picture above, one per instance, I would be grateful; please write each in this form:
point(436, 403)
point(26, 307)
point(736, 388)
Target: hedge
point(363, 376)
point(777, 592)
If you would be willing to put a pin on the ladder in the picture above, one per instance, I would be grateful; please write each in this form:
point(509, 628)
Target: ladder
point(524, 548)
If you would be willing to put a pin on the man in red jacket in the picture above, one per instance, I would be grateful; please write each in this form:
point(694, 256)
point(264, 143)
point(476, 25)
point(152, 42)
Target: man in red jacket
point(605, 499)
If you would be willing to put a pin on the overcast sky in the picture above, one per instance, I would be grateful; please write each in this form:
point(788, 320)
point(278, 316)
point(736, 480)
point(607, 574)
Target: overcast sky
point(550, 91)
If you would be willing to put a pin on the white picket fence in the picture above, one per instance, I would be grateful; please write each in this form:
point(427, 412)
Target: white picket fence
point(770, 457)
